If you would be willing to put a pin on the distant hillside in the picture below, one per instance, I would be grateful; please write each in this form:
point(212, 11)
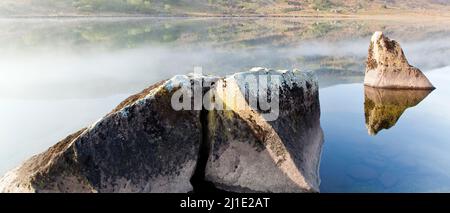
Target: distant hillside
point(220, 7)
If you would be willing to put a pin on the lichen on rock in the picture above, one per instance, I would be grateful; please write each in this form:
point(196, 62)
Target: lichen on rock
point(251, 154)
point(143, 145)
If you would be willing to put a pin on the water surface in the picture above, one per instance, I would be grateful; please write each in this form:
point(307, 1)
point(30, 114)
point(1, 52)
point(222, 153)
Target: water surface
point(59, 75)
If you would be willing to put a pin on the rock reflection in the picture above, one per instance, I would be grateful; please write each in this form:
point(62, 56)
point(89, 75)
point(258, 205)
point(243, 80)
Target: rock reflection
point(383, 107)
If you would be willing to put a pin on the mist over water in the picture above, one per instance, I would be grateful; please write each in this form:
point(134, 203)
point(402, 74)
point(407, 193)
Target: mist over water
point(59, 75)
point(96, 58)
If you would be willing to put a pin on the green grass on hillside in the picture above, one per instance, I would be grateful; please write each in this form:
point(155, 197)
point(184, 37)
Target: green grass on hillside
point(214, 7)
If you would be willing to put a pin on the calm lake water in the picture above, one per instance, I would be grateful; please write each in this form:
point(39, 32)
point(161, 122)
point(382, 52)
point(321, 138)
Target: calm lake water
point(59, 75)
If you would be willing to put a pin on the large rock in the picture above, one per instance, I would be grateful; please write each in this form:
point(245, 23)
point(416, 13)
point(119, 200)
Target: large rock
point(253, 150)
point(383, 107)
point(141, 146)
point(149, 144)
point(387, 66)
